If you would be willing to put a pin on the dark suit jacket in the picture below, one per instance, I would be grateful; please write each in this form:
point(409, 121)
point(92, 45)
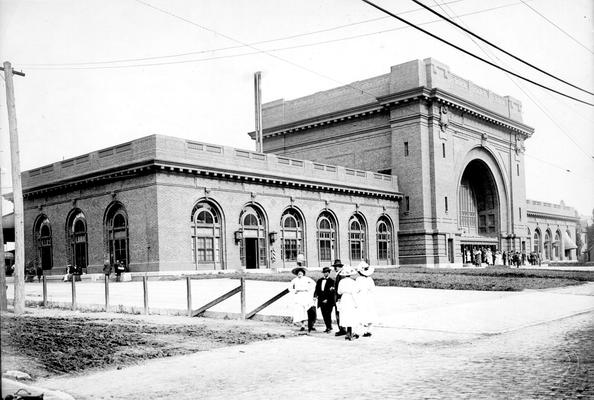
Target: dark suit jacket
point(327, 293)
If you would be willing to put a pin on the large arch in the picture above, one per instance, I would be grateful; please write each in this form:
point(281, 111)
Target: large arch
point(483, 201)
point(292, 235)
point(43, 239)
point(115, 225)
point(327, 230)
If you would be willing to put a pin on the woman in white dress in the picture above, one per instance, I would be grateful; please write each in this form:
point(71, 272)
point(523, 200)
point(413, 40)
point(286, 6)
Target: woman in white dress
point(302, 288)
point(348, 291)
point(366, 303)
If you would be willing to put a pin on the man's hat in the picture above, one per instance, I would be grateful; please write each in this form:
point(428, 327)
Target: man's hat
point(298, 268)
point(337, 263)
point(326, 269)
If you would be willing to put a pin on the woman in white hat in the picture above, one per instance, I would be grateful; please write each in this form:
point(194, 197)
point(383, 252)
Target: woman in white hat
point(367, 313)
point(302, 287)
point(348, 291)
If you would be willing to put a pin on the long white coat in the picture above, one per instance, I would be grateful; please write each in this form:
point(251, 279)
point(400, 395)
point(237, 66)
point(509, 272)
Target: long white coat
point(302, 289)
point(366, 302)
point(349, 290)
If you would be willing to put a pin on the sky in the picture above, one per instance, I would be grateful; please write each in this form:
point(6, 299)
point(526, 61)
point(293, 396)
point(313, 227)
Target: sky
point(103, 72)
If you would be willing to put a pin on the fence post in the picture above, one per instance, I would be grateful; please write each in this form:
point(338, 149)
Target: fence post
point(44, 280)
point(145, 287)
point(242, 282)
point(189, 294)
point(73, 281)
point(106, 293)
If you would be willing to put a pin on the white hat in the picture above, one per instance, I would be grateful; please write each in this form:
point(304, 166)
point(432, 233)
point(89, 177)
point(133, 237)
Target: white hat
point(348, 271)
point(365, 269)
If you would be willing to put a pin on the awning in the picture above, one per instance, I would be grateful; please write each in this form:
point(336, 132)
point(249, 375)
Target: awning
point(568, 244)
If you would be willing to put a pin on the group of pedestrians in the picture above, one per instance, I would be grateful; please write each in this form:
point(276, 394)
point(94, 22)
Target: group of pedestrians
point(349, 294)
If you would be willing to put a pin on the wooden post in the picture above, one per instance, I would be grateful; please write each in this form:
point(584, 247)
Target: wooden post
point(106, 293)
point(189, 294)
point(73, 292)
point(145, 289)
point(44, 280)
point(242, 280)
point(3, 298)
point(17, 194)
point(258, 101)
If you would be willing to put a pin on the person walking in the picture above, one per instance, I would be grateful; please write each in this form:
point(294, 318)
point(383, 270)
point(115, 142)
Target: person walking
point(338, 268)
point(324, 293)
point(365, 301)
point(348, 291)
point(302, 288)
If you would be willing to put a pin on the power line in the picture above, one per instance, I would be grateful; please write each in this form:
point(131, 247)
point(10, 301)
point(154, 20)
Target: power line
point(499, 48)
point(345, 38)
point(557, 26)
point(295, 36)
point(473, 55)
point(255, 48)
point(536, 103)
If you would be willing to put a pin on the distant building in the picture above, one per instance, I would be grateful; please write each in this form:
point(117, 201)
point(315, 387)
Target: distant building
point(457, 149)
point(162, 203)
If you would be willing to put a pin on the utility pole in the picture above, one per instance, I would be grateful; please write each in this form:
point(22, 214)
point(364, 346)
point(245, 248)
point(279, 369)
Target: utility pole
point(3, 299)
point(258, 96)
point(17, 193)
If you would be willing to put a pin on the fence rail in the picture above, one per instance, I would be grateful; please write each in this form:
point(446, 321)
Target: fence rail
point(126, 296)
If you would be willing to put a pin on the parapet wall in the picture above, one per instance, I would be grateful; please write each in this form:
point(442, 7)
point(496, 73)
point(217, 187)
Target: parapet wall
point(429, 73)
point(207, 156)
point(541, 207)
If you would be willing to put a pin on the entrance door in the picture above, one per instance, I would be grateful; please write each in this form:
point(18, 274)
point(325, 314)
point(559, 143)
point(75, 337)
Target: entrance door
point(451, 250)
point(251, 252)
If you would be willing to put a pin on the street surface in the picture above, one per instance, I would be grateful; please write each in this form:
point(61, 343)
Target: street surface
point(433, 344)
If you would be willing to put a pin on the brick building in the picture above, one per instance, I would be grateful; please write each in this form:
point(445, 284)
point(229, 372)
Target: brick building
point(161, 203)
point(457, 149)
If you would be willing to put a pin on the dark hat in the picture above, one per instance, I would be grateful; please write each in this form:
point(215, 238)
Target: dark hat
point(337, 263)
point(298, 268)
point(326, 269)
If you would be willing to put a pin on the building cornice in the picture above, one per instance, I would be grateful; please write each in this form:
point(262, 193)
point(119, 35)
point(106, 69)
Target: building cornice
point(537, 214)
point(153, 166)
point(383, 103)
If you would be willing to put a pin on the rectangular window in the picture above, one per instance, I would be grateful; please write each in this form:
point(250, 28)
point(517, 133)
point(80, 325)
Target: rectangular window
point(446, 203)
point(204, 249)
point(405, 149)
point(407, 200)
point(443, 150)
point(518, 169)
point(382, 249)
point(356, 250)
point(325, 250)
point(520, 213)
point(290, 249)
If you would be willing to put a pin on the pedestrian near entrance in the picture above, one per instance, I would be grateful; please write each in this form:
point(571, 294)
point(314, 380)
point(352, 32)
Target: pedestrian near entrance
point(302, 288)
point(365, 300)
point(324, 293)
point(348, 308)
point(119, 270)
point(338, 268)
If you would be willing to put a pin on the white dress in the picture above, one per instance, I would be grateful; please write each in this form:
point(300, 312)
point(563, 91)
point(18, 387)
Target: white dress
point(366, 303)
point(349, 291)
point(302, 289)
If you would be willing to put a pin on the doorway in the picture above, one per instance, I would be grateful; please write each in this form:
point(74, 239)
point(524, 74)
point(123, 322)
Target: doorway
point(251, 252)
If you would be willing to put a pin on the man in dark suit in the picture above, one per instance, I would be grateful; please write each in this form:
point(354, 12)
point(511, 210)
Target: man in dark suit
point(324, 293)
point(337, 268)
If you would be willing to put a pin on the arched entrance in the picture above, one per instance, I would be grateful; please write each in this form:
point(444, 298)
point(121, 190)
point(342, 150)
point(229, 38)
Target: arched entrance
point(253, 248)
point(479, 211)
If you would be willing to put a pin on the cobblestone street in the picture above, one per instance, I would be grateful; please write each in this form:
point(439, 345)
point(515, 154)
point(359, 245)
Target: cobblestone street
point(552, 360)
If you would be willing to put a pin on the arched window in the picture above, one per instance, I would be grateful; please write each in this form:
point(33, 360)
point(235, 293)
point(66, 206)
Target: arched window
point(292, 242)
point(116, 232)
point(252, 243)
point(76, 230)
point(547, 245)
point(557, 246)
point(357, 238)
point(384, 240)
point(327, 233)
point(43, 240)
point(207, 237)
point(536, 241)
